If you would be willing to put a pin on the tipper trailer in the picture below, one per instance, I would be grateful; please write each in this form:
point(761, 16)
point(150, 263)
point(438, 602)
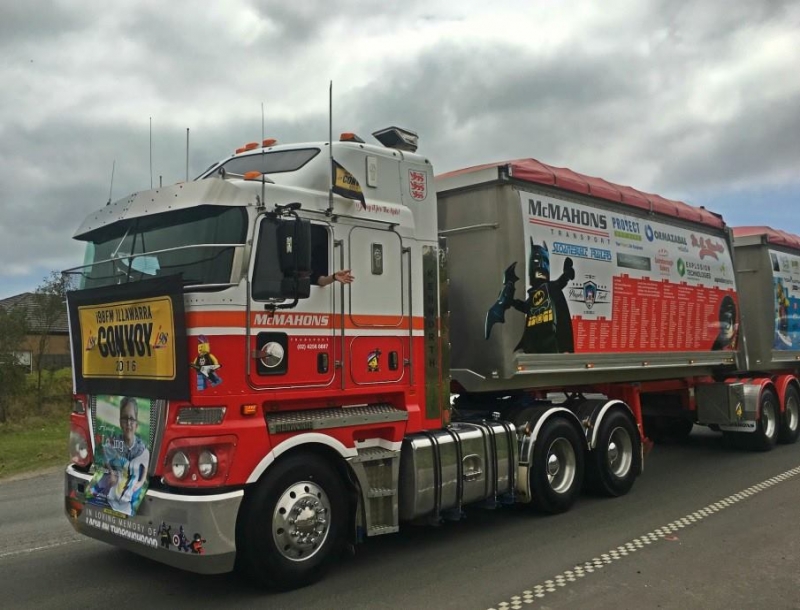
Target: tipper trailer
point(233, 408)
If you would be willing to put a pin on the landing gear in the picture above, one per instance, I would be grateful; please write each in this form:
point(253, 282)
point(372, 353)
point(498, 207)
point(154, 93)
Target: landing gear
point(294, 523)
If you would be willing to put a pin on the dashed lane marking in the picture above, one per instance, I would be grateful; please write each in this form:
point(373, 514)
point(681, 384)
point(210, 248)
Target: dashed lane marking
point(539, 591)
point(39, 548)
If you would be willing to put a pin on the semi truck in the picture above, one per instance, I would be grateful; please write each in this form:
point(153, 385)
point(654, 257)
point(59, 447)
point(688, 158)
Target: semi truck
point(513, 333)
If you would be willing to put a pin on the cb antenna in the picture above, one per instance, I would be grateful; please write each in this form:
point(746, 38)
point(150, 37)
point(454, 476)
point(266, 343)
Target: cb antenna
point(330, 147)
point(263, 152)
point(151, 153)
point(187, 154)
point(111, 186)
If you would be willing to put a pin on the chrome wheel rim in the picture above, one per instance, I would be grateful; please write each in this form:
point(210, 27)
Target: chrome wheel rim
point(792, 413)
point(769, 421)
point(301, 521)
point(561, 465)
point(619, 452)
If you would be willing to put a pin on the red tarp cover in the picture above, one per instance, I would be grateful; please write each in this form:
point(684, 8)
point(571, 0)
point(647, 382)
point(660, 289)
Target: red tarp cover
point(531, 170)
point(774, 236)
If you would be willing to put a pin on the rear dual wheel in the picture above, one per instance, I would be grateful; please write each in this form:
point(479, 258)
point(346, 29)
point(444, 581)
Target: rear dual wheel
point(790, 418)
point(556, 473)
point(616, 460)
point(766, 434)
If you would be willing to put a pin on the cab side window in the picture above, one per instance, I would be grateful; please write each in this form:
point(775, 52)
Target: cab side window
point(320, 249)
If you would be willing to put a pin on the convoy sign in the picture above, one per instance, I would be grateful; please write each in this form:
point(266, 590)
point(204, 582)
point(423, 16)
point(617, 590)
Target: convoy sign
point(130, 338)
point(133, 339)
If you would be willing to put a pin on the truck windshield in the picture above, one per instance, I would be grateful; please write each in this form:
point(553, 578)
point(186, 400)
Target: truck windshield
point(267, 163)
point(199, 243)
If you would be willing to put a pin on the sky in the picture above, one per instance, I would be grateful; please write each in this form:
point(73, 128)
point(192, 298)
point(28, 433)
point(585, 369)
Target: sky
point(697, 101)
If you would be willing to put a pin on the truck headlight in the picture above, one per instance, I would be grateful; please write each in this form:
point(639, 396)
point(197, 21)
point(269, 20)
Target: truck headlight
point(207, 464)
point(180, 464)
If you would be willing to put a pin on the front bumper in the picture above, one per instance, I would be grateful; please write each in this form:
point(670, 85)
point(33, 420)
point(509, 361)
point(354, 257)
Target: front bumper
point(194, 533)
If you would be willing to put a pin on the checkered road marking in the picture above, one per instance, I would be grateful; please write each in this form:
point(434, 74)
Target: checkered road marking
point(537, 592)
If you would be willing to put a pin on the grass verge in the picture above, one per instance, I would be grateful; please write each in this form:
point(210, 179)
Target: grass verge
point(33, 444)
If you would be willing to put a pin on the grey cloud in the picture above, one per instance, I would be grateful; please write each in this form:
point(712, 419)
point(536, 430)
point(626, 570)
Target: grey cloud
point(22, 22)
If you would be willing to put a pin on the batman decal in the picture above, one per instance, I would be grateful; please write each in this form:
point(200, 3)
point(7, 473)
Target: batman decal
point(548, 325)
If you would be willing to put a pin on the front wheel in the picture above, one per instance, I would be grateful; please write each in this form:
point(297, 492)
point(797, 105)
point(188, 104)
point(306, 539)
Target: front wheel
point(556, 473)
point(616, 461)
point(293, 525)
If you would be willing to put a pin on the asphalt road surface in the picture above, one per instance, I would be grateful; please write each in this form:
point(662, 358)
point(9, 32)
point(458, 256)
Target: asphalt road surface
point(705, 527)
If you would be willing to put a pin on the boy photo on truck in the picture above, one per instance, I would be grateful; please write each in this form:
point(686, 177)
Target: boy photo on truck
point(122, 483)
point(548, 323)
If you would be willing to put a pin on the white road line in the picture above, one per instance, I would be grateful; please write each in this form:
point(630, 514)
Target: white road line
point(40, 548)
point(539, 591)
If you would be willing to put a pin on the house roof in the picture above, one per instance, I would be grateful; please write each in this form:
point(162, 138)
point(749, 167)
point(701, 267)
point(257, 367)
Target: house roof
point(29, 302)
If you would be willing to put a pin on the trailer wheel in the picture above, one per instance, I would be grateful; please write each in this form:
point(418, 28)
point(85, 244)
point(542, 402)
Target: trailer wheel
point(616, 461)
point(294, 523)
point(766, 434)
point(790, 419)
point(556, 473)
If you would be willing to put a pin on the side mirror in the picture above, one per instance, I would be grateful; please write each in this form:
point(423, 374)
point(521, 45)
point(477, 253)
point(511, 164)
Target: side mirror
point(294, 257)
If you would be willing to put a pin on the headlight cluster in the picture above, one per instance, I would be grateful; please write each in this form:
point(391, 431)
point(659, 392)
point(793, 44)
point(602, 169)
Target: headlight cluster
point(199, 462)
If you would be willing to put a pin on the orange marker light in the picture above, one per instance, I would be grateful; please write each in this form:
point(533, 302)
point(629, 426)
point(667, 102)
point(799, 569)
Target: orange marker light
point(254, 175)
point(251, 145)
point(240, 150)
point(249, 410)
point(269, 142)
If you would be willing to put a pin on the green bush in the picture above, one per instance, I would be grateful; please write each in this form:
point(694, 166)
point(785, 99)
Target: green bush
point(56, 398)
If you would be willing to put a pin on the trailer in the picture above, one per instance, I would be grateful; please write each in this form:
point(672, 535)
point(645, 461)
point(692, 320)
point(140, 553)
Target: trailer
point(514, 333)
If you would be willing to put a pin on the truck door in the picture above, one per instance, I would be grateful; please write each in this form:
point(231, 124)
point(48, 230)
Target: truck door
point(378, 337)
point(290, 346)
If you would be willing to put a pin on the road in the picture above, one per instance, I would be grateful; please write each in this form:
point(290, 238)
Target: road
point(705, 526)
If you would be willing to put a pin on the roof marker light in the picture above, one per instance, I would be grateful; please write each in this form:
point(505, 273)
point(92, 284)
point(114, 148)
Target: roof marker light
point(251, 146)
point(348, 136)
point(269, 142)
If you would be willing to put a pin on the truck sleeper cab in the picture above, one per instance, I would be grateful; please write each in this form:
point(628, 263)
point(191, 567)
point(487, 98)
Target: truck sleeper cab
point(284, 419)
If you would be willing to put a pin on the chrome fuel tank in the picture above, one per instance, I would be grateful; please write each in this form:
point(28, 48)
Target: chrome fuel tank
point(466, 462)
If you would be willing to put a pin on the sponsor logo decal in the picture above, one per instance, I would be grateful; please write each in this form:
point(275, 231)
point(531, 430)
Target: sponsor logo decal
point(563, 213)
point(632, 261)
point(626, 229)
point(657, 235)
point(707, 247)
point(664, 261)
point(418, 184)
point(598, 254)
point(291, 320)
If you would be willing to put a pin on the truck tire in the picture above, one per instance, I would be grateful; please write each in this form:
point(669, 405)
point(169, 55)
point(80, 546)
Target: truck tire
point(790, 418)
point(556, 473)
point(616, 461)
point(766, 435)
point(294, 523)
